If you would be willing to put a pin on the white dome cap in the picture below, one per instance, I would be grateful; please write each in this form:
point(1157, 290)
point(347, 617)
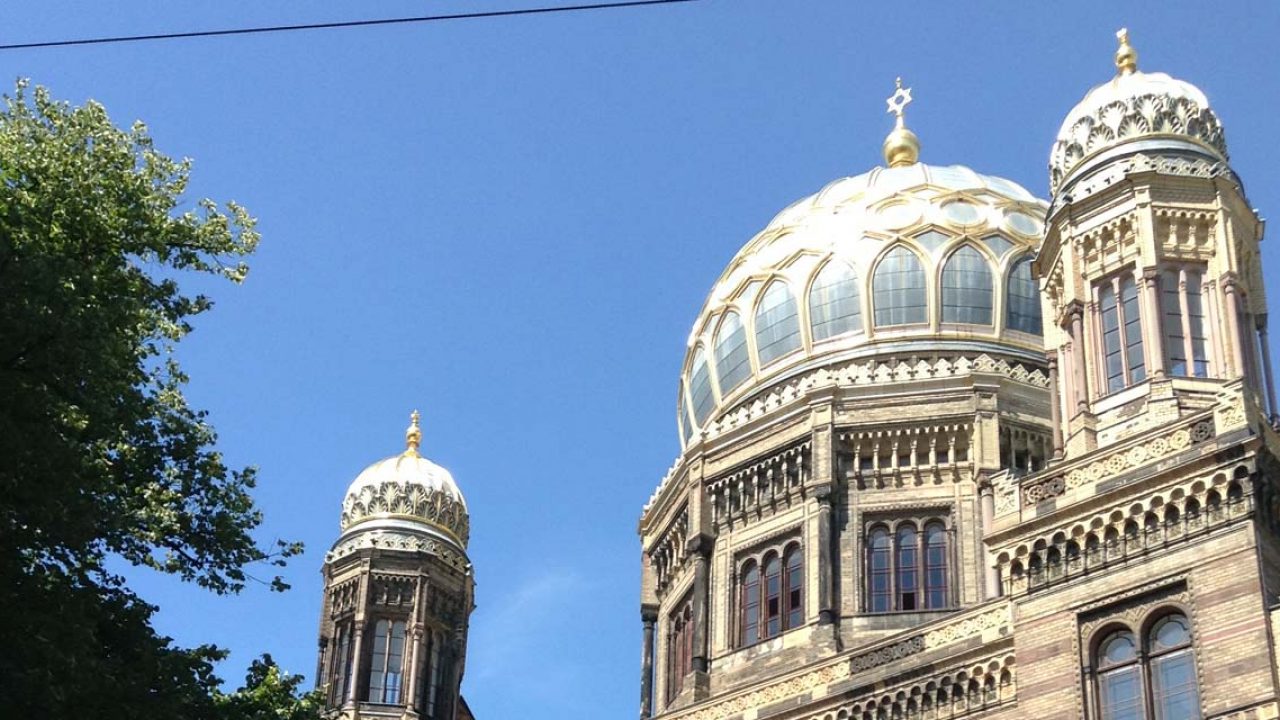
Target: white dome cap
point(407, 492)
point(1167, 113)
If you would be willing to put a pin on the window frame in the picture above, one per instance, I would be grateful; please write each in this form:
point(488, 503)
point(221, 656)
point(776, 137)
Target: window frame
point(955, 256)
point(1132, 370)
point(385, 691)
point(894, 592)
point(1144, 663)
point(753, 591)
point(1195, 351)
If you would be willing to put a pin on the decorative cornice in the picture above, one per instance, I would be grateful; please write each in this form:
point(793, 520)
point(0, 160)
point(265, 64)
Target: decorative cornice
point(390, 499)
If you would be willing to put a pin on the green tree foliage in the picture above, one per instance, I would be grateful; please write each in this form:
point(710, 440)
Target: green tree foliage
point(270, 694)
point(100, 455)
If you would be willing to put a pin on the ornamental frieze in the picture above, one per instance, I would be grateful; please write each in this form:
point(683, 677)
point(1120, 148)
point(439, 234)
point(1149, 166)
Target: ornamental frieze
point(391, 498)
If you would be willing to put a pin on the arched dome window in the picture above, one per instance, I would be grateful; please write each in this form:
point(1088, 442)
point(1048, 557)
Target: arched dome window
point(777, 324)
point(898, 288)
point(732, 365)
point(682, 417)
point(966, 288)
point(1022, 308)
point(700, 388)
point(835, 305)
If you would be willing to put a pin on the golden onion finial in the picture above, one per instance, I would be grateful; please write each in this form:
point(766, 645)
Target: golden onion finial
point(1126, 56)
point(901, 147)
point(412, 436)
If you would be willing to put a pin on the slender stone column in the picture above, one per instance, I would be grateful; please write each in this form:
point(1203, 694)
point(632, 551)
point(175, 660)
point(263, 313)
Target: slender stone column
point(649, 617)
point(987, 508)
point(1153, 328)
point(1266, 365)
point(700, 549)
point(1234, 333)
point(826, 609)
point(1079, 355)
point(1055, 407)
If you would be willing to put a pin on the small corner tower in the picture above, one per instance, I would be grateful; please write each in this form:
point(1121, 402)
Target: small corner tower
point(398, 592)
point(1150, 264)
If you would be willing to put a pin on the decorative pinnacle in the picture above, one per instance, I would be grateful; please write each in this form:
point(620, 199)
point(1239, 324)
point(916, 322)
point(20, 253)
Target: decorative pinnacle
point(412, 436)
point(1126, 56)
point(901, 147)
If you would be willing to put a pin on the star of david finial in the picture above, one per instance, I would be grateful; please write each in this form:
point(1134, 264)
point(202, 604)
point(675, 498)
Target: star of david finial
point(412, 436)
point(899, 101)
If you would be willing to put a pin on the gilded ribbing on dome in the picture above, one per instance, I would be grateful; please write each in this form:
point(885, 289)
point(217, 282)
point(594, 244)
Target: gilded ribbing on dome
point(412, 436)
point(1126, 56)
point(901, 147)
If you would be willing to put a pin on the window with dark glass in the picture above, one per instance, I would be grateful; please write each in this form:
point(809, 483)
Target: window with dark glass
point(386, 662)
point(1022, 309)
point(967, 288)
point(898, 289)
point(1159, 683)
point(700, 388)
point(835, 304)
point(1121, 332)
point(733, 366)
point(679, 648)
point(342, 663)
point(908, 569)
point(1183, 323)
point(771, 595)
point(777, 323)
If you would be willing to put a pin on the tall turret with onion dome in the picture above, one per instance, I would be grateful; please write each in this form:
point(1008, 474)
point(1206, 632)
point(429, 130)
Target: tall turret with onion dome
point(862, 375)
point(399, 590)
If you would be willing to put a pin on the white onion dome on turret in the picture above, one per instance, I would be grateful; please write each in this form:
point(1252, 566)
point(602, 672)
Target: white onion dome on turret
point(1134, 112)
point(400, 501)
point(905, 260)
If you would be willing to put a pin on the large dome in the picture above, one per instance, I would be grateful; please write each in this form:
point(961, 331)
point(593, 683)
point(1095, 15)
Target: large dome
point(898, 260)
point(407, 493)
point(1134, 112)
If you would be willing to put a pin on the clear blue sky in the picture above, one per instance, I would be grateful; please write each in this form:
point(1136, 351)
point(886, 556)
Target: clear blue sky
point(510, 225)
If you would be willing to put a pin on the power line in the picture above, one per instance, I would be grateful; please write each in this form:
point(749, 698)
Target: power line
point(344, 24)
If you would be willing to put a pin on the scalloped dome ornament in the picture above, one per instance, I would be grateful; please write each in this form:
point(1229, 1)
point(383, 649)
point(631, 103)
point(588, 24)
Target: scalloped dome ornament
point(1133, 106)
point(407, 492)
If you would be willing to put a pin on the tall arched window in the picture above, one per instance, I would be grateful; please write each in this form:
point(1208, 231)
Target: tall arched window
point(1022, 306)
point(435, 680)
point(772, 596)
point(835, 304)
point(679, 648)
point(386, 662)
point(907, 568)
point(935, 566)
point(750, 604)
point(898, 288)
point(1121, 332)
point(794, 587)
point(777, 324)
point(1182, 314)
point(967, 288)
point(342, 664)
point(732, 365)
point(1159, 683)
point(700, 387)
point(879, 550)
point(1119, 678)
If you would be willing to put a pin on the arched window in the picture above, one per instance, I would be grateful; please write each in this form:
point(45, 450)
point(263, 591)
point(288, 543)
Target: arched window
point(341, 681)
point(966, 288)
point(835, 304)
point(777, 324)
point(750, 604)
point(679, 648)
point(794, 587)
point(732, 364)
point(686, 427)
point(1182, 315)
point(908, 568)
point(1173, 674)
point(935, 566)
point(772, 596)
point(898, 288)
point(1121, 332)
point(881, 575)
point(435, 698)
point(386, 662)
point(700, 387)
point(1022, 306)
point(1159, 684)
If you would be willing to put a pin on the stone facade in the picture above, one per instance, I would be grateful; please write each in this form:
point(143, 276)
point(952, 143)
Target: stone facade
point(1119, 481)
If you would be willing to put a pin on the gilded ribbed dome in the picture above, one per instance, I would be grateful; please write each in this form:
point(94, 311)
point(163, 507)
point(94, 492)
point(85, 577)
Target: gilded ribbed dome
point(407, 492)
point(1134, 112)
point(901, 259)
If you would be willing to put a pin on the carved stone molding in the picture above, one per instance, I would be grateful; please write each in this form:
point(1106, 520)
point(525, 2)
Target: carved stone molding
point(394, 499)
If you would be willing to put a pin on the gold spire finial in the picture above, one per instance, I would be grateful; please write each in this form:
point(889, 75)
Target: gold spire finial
point(1126, 56)
point(412, 436)
point(901, 147)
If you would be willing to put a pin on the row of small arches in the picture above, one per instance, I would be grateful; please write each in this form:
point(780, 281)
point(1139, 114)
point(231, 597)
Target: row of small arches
point(960, 694)
point(899, 297)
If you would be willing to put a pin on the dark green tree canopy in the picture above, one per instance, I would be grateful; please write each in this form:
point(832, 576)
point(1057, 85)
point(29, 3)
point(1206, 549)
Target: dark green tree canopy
point(100, 454)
